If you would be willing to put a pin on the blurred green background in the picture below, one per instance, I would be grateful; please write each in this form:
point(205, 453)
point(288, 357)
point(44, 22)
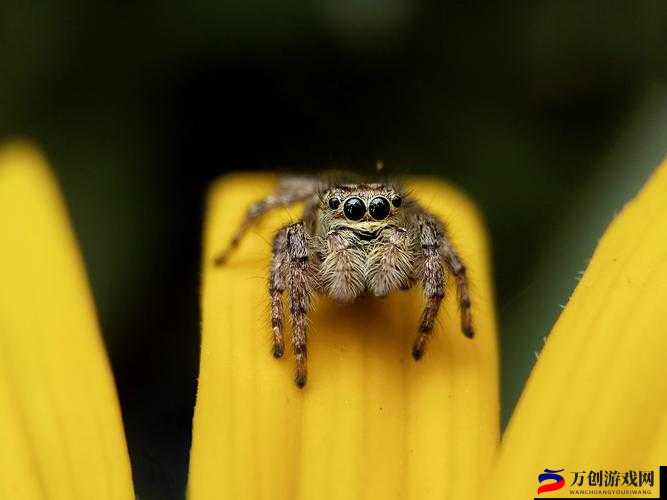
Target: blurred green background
point(551, 114)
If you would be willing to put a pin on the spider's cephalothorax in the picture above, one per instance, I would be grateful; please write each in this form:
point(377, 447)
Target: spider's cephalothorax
point(354, 239)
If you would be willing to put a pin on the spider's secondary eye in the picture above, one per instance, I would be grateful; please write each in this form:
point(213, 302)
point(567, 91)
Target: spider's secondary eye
point(334, 203)
point(354, 209)
point(378, 208)
point(396, 201)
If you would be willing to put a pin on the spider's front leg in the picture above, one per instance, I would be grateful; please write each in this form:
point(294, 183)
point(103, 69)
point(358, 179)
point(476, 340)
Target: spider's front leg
point(438, 251)
point(300, 287)
point(458, 269)
point(433, 280)
point(276, 288)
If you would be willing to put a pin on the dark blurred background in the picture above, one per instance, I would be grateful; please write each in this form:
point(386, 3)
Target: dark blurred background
point(551, 114)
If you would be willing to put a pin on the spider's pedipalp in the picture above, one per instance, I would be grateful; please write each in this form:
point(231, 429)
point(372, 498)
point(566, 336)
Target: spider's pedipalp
point(389, 265)
point(342, 269)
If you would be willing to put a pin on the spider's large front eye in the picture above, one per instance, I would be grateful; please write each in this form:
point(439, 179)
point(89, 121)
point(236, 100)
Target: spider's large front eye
point(334, 203)
point(354, 209)
point(379, 208)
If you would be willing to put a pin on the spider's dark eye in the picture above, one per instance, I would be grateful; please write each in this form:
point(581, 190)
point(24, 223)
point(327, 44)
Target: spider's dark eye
point(354, 209)
point(334, 203)
point(396, 200)
point(378, 208)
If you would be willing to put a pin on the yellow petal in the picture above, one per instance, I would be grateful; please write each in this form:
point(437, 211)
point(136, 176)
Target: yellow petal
point(598, 395)
point(60, 425)
point(371, 423)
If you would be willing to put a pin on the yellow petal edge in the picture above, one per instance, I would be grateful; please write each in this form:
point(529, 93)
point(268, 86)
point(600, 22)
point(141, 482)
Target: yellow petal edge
point(597, 398)
point(60, 424)
point(371, 423)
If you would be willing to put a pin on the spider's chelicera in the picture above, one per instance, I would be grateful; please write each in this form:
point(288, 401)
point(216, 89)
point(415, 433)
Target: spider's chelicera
point(354, 239)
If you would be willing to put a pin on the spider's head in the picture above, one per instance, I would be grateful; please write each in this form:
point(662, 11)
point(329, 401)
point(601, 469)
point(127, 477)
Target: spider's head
point(365, 209)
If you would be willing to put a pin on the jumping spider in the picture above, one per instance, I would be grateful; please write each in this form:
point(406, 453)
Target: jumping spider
point(354, 239)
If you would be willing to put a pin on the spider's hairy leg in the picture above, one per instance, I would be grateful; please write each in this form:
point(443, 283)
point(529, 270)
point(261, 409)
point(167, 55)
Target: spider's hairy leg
point(276, 289)
point(433, 280)
point(300, 286)
point(289, 190)
point(463, 290)
point(253, 212)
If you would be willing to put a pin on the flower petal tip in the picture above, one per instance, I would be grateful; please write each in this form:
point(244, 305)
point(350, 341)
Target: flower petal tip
point(370, 423)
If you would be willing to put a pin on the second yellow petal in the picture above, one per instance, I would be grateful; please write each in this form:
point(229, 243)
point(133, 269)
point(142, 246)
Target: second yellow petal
point(597, 397)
